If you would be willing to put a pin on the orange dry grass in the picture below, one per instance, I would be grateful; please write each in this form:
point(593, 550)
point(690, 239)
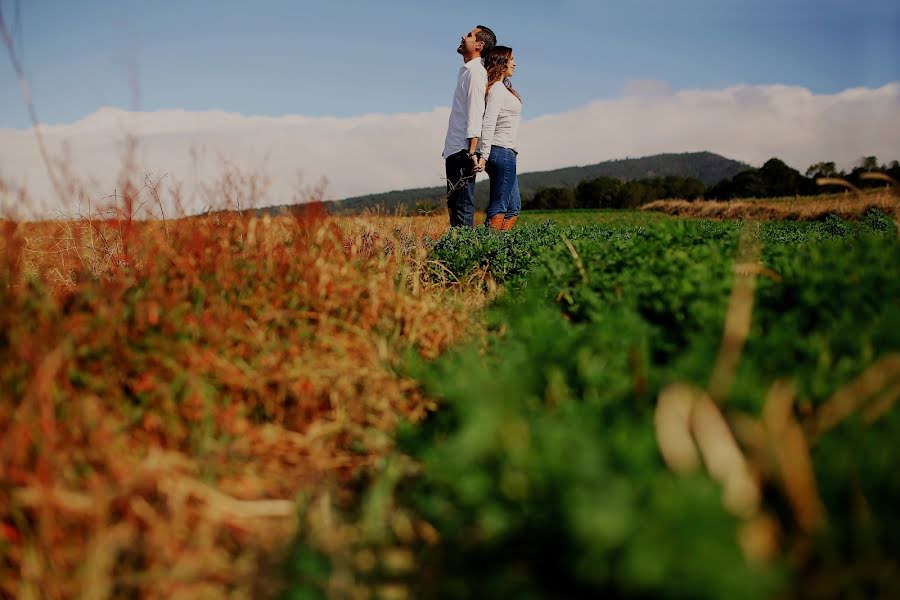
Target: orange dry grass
point(169, 390)
point(846, 206)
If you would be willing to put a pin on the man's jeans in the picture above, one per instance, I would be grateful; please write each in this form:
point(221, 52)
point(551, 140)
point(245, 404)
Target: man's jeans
point(460, 189)
point(505, 197)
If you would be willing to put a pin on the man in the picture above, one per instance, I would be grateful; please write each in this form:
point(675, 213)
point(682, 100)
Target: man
point(464, 128)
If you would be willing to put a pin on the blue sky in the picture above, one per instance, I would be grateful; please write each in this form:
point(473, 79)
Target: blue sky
point(347, 57)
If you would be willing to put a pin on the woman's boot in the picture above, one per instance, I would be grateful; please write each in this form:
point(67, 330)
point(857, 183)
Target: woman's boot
point(496, 221)
point(509, 223)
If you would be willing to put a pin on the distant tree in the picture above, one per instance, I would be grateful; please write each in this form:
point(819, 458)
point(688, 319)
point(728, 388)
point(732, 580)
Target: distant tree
point(692, 189)
point(750, 184)
point(775, 178)
point(893, 169)
point(638, 192)
point(551, 198)
point(601, 192)
point(685, 188)
point(868, 163)
point(721, 190)
point(746, 184)
point(822, 169)
point(781, 180)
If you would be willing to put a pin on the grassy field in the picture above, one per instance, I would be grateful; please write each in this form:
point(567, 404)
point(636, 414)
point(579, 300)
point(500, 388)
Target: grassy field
point(591, 217)
point(847, 205)
point(677, 409)
point(618, 403)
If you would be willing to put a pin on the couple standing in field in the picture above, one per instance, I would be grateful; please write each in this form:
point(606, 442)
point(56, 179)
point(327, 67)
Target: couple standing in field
point(482, 132)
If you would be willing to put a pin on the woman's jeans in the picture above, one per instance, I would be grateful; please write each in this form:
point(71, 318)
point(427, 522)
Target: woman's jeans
point(501, 168)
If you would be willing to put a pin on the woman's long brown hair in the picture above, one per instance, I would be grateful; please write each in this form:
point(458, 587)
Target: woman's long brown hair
point(495, 64)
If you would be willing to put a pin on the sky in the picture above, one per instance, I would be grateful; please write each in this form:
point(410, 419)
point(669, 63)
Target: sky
point(355, 78)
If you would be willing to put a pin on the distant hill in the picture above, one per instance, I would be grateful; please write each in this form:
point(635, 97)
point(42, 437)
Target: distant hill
point(707, 167)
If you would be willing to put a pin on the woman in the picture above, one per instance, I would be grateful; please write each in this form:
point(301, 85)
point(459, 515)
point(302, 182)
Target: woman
point(498, 142)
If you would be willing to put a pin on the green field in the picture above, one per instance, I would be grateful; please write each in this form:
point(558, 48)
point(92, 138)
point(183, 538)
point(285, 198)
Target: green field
point(595, 216)
point(547, 471)
point(594, 404)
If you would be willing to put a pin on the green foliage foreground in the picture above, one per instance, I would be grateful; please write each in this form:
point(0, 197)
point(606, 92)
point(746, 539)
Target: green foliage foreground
point(540, 474)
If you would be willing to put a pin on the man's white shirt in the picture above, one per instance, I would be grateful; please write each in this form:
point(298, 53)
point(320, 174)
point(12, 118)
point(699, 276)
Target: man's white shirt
point(467, 111)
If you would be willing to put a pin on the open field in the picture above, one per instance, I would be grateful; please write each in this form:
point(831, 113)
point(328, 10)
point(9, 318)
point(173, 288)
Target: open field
point(846, 206)
point(597, 403)
point(578, 217)
point(677, 409)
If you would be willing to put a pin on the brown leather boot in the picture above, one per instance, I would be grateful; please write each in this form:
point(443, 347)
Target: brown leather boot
point(509, 223)
point(496, 221)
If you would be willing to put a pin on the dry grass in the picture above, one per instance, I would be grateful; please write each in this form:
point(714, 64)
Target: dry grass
point(172, 390)
point(847, 206)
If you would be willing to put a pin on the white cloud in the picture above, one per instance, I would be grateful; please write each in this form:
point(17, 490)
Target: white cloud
point(748, 123)
point(646, 87)
point(375, 153)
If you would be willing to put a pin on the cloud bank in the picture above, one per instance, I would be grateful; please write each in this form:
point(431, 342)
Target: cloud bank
point(376, 153)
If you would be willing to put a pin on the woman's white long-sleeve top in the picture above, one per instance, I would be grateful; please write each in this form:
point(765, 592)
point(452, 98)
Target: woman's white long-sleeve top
point(502, 114)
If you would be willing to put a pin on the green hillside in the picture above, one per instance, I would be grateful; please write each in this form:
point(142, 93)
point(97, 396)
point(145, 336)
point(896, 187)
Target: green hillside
point(707, 167)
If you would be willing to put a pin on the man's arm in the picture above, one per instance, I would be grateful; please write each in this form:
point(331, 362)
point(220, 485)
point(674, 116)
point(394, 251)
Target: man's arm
point(475, 105)
point(473, 144)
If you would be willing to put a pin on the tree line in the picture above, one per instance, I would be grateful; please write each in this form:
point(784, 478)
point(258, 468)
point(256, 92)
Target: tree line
point(774, 179)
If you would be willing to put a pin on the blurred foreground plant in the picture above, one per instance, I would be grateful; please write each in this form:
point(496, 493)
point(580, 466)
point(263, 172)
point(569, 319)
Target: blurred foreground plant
point(162, 406)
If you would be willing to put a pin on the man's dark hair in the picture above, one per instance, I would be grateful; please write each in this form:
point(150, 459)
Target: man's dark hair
point(487, 37)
